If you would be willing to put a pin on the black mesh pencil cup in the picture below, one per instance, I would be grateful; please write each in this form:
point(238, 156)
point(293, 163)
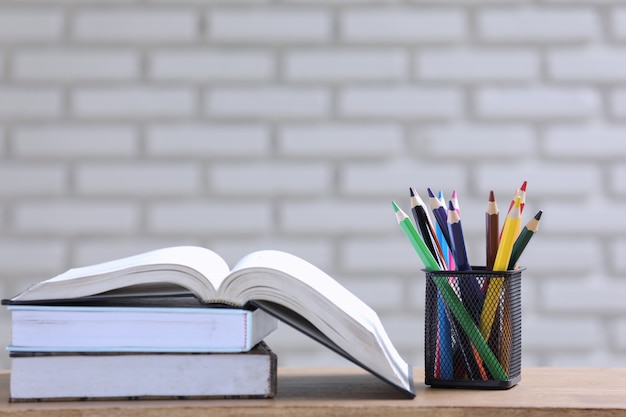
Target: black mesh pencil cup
point(473, 329)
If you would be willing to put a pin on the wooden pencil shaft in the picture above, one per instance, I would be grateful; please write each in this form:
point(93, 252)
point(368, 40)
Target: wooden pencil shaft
point(491, 238)
point(522, 240)
point(508, 238)
point(419, 215)
point(442, 220)
point(492, 228)
point(458, 241)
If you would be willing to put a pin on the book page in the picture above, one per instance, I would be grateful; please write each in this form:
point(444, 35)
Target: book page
point(313, 277)
point(195, 268)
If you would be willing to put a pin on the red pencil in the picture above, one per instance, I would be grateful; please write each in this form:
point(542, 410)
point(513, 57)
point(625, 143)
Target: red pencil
point(521, 193)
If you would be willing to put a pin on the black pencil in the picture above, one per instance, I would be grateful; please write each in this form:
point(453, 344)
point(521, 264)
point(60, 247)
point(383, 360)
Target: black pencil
point(426, 228)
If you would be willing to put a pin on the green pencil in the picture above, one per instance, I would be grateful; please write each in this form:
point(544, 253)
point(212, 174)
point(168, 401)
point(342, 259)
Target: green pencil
point(416, 240)
point(524, 237)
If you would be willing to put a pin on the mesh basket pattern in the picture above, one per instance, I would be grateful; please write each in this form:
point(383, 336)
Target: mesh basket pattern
point(473, 328)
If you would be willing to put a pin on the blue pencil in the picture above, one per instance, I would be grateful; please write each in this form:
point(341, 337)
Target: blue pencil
point(471, 291)
point(445, 336)
point(456, 239)
point(439, 211)
point(445, 341)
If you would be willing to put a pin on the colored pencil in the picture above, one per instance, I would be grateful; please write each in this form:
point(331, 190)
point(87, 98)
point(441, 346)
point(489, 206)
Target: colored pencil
point(472, 364)
point(425, 227)
point(505, 247)
point(492, 228)
point(456, 239)
point(506, 335)
point(455, 201)
point(501, 263)
point(444, 339)
point(522, 240)
point(505, 329)
point(451, 262)
point(416, 240)
point(471, 292)
point(521, 193)
point(441, 215)
point(445, 250)
point(446, 323)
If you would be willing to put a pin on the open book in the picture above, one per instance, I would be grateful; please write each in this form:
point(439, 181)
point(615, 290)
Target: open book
point(284, 285)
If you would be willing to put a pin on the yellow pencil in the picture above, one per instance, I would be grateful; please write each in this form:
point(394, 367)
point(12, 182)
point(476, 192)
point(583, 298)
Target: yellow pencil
point(501, 263)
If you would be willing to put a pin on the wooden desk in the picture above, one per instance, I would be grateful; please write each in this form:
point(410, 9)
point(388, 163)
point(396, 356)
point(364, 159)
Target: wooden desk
point(352, 392)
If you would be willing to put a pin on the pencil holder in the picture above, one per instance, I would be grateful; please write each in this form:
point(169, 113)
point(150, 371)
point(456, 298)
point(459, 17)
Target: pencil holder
point(473, 329)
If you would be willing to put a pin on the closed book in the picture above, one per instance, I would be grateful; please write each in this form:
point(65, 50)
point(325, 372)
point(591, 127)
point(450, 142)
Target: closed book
point(37, 376)
point(89, 328)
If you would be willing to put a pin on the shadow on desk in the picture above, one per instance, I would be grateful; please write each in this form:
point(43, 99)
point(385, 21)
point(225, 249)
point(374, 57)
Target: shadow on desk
point(337, 387)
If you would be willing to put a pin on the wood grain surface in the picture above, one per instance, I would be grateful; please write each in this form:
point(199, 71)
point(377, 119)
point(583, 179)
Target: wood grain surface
point(353, 392)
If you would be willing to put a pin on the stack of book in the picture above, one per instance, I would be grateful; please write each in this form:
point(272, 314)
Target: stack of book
point(178, 322)
point(139, 348)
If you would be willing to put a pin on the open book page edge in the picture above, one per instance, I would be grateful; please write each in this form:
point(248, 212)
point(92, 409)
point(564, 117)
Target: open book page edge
point(198, 269)
point(308, 274)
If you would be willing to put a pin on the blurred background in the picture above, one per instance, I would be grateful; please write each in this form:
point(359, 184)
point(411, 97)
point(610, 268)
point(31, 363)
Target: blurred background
point(243, 125)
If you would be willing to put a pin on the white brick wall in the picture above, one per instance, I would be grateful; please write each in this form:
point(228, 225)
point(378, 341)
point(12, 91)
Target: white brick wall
point(468, 65)
point(34, 103)
point(401, 25)
point(401, 102)
point(347, 65)
point(126, 126)
point(205, 65)
point(152, 25)
point(74, 141)
point(27, 24)
point(272, 25)
point(271, 102)
point(538, 25)
point(80, 64)
point(133, 102)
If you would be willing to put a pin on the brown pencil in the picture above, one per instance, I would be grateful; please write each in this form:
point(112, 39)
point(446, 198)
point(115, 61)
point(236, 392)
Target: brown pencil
point(492, 227)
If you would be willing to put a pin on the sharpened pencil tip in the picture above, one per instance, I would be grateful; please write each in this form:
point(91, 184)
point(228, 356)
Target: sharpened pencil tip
point(454, 194)
point(450, 205)
point(431, 194)
point(395, 206)
point(523, 187)
point(538, 215)
point(492, 196)
point(412, 192)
